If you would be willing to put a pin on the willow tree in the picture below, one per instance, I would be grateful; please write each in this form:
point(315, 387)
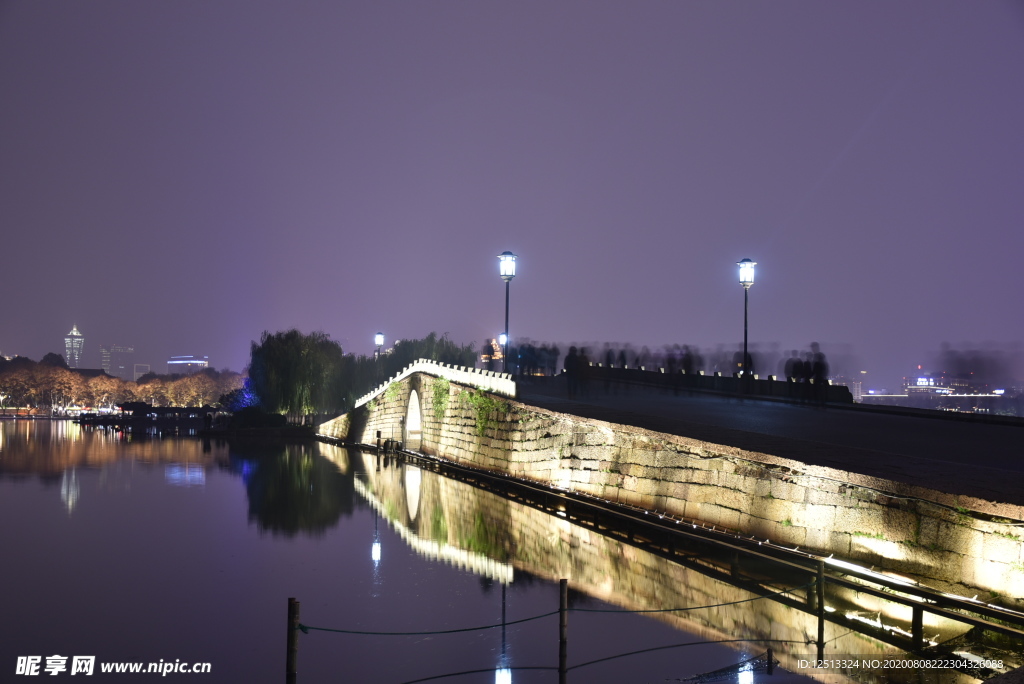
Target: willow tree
point(296, 374)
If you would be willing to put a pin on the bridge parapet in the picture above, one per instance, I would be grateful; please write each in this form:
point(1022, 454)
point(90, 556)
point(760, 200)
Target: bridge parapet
point(489, 381)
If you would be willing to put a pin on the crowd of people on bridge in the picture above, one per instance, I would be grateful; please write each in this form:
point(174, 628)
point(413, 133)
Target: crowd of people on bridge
point(527, 358)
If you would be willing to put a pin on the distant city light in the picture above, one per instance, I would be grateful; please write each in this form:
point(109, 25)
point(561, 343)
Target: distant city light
point(187, 364)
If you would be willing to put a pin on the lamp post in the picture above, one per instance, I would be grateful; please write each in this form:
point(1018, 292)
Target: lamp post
point(746, 280)
point(507, 271)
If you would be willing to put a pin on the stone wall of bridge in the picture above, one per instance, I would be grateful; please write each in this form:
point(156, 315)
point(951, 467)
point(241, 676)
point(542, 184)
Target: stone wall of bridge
point(967, 543)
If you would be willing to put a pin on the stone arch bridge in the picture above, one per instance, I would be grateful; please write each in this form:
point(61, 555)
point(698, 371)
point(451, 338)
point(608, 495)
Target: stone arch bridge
point(655, 449)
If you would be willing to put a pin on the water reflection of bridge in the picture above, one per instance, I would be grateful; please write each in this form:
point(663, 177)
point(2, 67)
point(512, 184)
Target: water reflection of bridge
point(477, 563)
point(726, 595)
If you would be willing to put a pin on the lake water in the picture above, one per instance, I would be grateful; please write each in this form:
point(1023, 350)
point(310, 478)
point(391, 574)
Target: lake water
point(177, 550)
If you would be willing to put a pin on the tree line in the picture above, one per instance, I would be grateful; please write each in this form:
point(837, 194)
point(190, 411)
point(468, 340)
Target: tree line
point(308, 375)
point(292, 373)
point(49, 384)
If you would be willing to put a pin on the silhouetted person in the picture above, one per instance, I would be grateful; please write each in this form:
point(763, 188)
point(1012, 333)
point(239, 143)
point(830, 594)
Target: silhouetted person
point(609, 362)
point(740, 366)
point(487, 355)
point(572, 372)
point(670, 368)
point(585, 371)
point(819, 374)
point(789, 369)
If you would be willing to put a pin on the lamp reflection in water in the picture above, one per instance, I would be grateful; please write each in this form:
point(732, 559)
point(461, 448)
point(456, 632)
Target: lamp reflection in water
point(503, 675)
point(375, 556)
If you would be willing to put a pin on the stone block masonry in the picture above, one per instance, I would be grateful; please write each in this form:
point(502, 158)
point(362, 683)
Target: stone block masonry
point(960, 543)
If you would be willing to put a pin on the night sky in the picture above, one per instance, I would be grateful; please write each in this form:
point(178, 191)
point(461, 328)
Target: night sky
point(181, 176)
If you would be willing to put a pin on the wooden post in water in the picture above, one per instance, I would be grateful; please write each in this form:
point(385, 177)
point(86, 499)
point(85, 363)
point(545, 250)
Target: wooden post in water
point(917, 628)
point(563, 628)
point(771, 661)
point(821, 609)
point(293, 641)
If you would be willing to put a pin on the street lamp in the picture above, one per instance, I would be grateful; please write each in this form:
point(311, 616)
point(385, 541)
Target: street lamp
point(378, 340)
point(507, 271)
point(746, 280)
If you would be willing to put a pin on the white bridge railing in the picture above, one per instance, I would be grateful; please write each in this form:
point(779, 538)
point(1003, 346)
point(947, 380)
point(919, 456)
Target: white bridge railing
point(490, 381)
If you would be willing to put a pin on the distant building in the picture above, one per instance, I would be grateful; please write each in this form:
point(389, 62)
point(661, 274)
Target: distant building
point(74, 342)
point(947, 392)
point(938, 383)
point(139, 370)
point(187, 365)
point(118, 360)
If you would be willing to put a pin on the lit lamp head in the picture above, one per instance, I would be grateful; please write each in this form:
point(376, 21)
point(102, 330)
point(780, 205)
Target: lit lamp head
point(378, 339)
point(746, 272)
point(507, 266)
point(502, 339)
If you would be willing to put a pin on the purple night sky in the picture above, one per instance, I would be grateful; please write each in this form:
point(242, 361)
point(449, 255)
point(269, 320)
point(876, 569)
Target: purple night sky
point(180, 176)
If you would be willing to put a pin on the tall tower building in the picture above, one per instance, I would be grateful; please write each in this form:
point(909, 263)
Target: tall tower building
point(73, 344)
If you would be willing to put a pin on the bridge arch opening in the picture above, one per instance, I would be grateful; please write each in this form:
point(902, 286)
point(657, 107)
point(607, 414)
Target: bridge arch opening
point(413, 481)
point(413, 423)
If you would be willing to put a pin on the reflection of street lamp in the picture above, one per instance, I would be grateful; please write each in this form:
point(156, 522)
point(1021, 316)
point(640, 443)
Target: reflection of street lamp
point(746, 280)
point(507, 271)
point(503, 675)
point(375, 547)
point(375, 556)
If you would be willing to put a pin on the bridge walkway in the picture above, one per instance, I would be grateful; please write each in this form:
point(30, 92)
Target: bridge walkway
point(943, 453)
